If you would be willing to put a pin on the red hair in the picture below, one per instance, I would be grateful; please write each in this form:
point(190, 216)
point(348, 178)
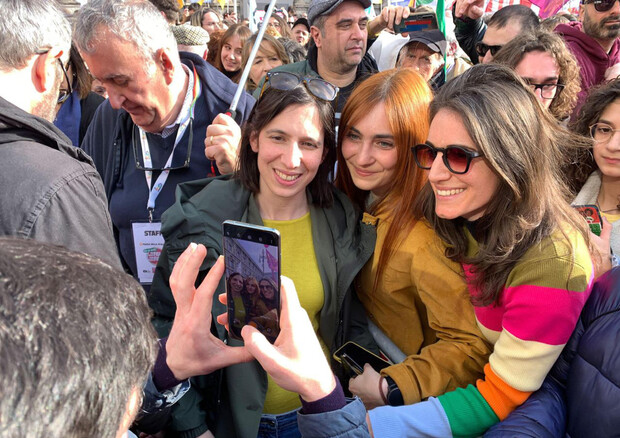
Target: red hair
point(406, 97)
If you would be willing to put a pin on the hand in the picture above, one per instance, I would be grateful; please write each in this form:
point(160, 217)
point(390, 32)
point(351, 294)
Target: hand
point(191, 349)
point(612, 72)
point(602, 248)
point(366, 387)
point(469, 8)
point(296, 361)
point(387, 19)
point(222, 143)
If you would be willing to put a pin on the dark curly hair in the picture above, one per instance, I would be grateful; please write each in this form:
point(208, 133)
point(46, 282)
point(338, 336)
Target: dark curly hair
point(582, 164)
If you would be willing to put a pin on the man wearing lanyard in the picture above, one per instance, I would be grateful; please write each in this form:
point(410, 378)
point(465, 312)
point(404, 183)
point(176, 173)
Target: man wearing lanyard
point(153, 133)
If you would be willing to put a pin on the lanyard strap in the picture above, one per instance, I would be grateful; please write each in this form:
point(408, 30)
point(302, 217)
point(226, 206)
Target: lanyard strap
point(155, 189)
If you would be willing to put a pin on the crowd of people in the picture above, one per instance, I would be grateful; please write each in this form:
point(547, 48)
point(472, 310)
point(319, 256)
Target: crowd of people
point(426, 186)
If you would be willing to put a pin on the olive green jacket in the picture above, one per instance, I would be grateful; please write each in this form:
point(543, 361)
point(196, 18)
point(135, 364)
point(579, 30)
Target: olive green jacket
point(342, 245)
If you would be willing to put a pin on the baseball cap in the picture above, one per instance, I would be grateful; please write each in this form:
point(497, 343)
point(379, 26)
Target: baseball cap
point(433, 39)
point(325, 7)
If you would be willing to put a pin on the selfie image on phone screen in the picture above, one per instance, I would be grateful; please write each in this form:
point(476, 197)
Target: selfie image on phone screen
point(252, 258)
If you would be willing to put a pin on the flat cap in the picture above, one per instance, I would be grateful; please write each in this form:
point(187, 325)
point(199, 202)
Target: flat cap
point(189, 35)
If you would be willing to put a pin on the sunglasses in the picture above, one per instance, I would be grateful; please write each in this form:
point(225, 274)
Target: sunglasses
point(285, 81)
point(600, 5)
point(456, 158)
point(482, 49)
point(137, 153)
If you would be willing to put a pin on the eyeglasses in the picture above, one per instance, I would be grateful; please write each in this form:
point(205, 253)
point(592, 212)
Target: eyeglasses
point(456, 158)
point(63, 93)
point(547, 91)
point(482, 49)
point(602, 132)
point(137, 154)
point(285, 81)
point(600, 5)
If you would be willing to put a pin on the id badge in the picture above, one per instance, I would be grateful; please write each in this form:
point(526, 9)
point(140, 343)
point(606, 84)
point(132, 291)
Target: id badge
point(148, 244)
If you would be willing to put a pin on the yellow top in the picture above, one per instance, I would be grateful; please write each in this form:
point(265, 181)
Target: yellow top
point(299, 264)
point(422, 304)
point(611, 217)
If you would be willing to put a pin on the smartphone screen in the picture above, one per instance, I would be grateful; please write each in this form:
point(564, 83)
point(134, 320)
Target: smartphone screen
point(592, 216)
point(354, 356)
point(252, 258)
point(417, 22)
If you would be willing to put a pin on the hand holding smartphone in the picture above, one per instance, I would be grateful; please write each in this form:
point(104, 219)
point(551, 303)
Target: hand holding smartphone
point(252, 258)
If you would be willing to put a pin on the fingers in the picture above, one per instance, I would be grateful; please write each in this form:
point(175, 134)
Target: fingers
point(259, 347)
point(289, 301)
point(203, 299)
point(184, 275)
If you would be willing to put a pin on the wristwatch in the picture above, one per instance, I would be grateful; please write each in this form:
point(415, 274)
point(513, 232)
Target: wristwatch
point(394, 396)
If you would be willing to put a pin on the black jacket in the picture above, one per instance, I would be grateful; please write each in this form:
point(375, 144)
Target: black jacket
point(581, 395)
point(51, 190)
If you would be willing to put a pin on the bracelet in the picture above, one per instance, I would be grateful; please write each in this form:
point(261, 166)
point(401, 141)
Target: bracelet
point(383, 397)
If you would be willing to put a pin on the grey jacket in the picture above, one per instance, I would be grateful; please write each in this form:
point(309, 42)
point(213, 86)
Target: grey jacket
point(588, 195)
point(51, 191)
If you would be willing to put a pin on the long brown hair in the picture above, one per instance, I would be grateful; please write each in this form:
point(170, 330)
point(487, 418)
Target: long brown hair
point(243, 32)
point(524, 145)
point(406, 97)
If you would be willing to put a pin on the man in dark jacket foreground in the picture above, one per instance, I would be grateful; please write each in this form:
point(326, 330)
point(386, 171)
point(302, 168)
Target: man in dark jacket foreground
point(50, 190)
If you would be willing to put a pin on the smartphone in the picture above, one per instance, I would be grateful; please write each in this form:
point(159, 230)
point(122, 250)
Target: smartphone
point(592, 217)
point(416, 22)
point(252, 258)
point(353, 357)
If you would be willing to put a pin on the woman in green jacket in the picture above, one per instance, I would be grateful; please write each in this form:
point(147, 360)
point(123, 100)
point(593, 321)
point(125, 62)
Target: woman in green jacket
point(287, 153)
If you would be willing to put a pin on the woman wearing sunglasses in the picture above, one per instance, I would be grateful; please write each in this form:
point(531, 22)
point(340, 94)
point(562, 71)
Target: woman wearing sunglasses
point(287, 153)
point(496, 198)
point(409, 289)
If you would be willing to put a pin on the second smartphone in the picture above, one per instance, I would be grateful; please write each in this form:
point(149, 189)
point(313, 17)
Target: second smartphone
point(252, 258)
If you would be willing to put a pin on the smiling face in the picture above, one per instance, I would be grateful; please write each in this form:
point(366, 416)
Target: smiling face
point(607, 153)
point(266, 59)
point(290, 151)
point(139, 87)
point(343, 43)
point(231, 54)
point(466, 195)
point(539, 68)
point(250, 286)
point(236, 283)
point(369, 151)
point(266, 290)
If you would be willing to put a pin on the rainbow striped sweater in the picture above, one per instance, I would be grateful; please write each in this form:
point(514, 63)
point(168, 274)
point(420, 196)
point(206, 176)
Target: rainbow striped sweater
point(540, 306)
